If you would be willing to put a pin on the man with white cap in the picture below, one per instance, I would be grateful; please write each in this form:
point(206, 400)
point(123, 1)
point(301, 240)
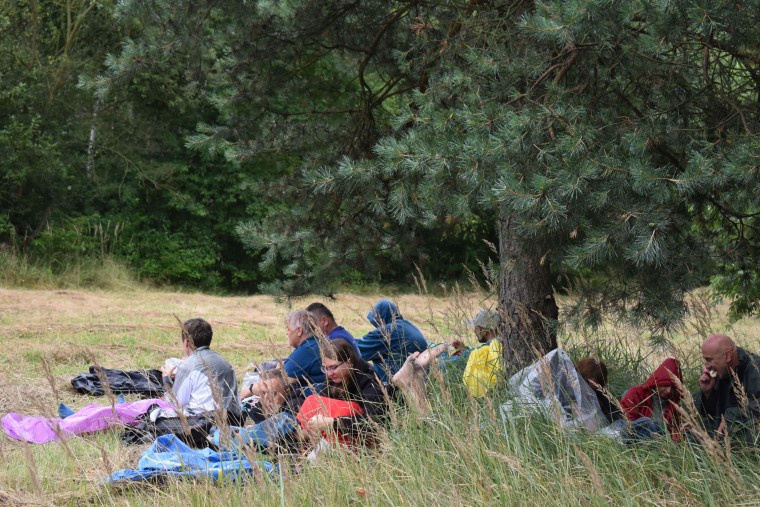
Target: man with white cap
point(485, 363)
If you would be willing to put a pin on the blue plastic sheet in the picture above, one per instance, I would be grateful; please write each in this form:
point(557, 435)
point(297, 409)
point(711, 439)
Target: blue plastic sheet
point(261, 435)
point(170, 457)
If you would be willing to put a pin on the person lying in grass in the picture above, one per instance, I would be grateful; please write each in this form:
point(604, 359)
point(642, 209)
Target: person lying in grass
point(392, 340)
point(594, 372)
point(303, 366)
point(553, 384)
point(328, 327)
point(651, 407)
point(485, 364)
point(346, 410)
point(273, 425)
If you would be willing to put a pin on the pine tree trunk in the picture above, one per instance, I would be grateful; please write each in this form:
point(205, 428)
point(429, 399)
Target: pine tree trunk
point(526, 298)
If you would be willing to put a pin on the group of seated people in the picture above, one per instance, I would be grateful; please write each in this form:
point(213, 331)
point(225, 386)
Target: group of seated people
point(335, 387)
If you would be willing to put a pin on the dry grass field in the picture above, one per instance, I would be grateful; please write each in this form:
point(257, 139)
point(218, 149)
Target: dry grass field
point(48, 336)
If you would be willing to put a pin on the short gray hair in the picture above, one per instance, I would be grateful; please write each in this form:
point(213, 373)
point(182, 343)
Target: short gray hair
point(302, 319)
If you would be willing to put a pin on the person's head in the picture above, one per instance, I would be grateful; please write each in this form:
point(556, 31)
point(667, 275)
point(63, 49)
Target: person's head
point(485, 325)
point(273, 389)
point(663, 380)
point(196, 333)
point(665, 392)
point(593, 371)
point(385, 313)
point(339, 361)
point(719, 354)
point(299, 327)
point(323, 317)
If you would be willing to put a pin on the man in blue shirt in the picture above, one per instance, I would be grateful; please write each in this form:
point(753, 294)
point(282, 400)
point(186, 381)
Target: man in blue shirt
point(325, 321)
point(304, 365)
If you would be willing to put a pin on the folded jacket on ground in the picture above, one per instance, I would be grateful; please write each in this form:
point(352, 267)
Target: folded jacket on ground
point(147, 383)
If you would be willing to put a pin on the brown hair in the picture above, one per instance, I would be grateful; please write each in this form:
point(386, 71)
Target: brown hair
point(340, 350)
point(593, 370)
point(198, 331)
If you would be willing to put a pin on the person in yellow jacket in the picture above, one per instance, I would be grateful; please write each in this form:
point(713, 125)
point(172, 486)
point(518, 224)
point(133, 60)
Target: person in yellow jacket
point(484, 367)
point(485, 364)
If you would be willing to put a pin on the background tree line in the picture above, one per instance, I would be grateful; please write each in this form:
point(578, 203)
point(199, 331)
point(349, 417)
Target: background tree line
point(608, 148)
point(187, 144)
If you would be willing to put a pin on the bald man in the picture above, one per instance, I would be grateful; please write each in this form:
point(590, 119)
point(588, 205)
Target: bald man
point(725, 405)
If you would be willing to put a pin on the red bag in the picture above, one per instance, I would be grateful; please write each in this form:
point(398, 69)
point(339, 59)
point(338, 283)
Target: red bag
point(329, 407)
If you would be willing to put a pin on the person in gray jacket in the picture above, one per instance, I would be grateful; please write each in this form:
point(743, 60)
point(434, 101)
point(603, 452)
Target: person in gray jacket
point(203, 392)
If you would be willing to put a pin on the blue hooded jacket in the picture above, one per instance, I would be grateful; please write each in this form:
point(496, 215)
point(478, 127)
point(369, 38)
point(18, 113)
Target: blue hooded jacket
point(392, 340)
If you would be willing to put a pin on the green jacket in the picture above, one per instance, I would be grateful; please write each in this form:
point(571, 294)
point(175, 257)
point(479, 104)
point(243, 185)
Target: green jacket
point(739, 405)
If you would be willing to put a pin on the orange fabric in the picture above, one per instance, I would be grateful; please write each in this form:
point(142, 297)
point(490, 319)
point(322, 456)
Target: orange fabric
point(330, 407)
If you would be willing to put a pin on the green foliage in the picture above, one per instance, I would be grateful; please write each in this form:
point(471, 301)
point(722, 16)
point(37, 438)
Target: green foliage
point(294, 145)
point(612, 139)
point(322, 94)
point(37, 272)
point(43, 126)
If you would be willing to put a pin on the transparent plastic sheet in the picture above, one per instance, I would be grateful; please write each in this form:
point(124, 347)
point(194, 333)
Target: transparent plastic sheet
point(554, 387)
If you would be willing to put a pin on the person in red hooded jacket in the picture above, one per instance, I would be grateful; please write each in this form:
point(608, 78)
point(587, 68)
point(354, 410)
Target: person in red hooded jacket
point(652, 404)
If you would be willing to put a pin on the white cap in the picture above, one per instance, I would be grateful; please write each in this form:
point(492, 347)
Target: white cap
point(487, 319)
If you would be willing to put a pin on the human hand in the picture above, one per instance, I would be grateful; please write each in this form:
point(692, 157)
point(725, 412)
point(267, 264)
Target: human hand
point(721, 428)
point(707, 381)
point(169, 371)
point(458, 345)
point(320, 423)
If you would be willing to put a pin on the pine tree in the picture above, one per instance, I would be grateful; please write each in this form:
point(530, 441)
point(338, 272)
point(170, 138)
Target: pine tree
point(610, 139)
point(613, 144)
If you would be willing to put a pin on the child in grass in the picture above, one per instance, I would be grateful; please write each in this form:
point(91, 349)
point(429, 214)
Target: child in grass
point(651, 406)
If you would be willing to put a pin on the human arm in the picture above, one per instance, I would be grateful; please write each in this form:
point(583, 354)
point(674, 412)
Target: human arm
point(169, 370)
point(634, 403)
point(745, 413)
point(185, 384)
point(246, 391)
point(304, 365)
point(374, 403)
point(372, 345)
point(704, 401)
point(707, 382)
point(352, 412)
